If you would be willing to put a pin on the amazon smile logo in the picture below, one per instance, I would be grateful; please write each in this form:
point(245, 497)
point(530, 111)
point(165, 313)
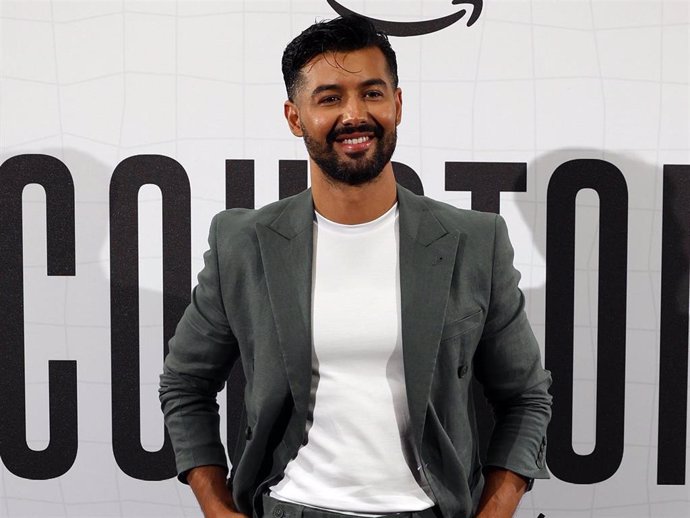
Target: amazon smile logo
point(393, 28)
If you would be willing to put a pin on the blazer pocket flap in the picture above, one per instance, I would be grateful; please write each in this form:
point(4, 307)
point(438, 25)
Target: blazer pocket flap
point(462, 325)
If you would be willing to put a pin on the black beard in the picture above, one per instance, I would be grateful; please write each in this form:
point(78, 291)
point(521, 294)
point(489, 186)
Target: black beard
point(358, 170)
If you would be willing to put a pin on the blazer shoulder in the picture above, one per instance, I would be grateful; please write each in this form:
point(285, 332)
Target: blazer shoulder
point(455, 218)
point(238, 222)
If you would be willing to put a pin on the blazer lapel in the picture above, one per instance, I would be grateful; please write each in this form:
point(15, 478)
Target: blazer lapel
point(286, 246)
point(427, 259)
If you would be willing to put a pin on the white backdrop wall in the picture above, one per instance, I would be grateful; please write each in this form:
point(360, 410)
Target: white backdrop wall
point(538, 83)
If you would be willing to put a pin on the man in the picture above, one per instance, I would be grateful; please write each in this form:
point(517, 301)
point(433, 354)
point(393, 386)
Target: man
point(360, 313)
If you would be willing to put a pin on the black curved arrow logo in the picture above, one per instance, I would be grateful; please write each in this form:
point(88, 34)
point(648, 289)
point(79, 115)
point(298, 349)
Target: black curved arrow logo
point(416, 28)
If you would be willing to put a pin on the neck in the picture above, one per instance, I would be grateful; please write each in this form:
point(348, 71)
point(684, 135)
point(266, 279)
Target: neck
point(351, 205)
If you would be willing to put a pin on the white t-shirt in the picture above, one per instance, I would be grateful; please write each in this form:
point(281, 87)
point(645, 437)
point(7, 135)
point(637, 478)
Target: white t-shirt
point(359, 455)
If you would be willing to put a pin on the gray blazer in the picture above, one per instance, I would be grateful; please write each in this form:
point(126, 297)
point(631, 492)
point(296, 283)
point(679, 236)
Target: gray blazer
point(462, 316)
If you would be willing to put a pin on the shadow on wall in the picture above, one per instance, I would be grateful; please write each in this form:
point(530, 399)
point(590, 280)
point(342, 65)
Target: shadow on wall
point(613, 312)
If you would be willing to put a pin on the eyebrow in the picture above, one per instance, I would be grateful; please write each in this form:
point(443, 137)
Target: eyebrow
point(365, 84)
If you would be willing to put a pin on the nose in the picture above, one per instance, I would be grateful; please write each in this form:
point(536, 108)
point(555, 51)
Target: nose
point(355, 111)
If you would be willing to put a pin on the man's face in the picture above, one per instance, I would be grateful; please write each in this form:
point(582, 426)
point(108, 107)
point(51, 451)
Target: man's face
point(347, 111)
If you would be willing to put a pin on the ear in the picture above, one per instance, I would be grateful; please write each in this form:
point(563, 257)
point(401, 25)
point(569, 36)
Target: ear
point(291, 113)
point(398, 106)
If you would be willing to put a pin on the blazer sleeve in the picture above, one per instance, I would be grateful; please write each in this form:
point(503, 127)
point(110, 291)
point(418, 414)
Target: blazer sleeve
point(202, 352)
point(508, 364)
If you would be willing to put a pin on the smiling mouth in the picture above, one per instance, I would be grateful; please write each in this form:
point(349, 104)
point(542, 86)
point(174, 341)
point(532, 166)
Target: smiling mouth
point(355, 145)
point(351, 135)
point(358, 140)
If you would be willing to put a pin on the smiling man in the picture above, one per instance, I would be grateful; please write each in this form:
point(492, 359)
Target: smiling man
point(360, 313)
point(355, 146)
point(346, 105)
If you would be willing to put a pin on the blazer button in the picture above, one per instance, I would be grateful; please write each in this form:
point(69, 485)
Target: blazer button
point(248, 433)
point(462, 370)
point(278, 511)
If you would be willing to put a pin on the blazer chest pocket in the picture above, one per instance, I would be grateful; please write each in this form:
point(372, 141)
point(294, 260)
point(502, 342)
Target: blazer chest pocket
point(461, 326)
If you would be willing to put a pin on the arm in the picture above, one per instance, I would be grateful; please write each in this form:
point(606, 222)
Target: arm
point(503, 490)
point(211, 491)
point(508, 364)
point(201, 355)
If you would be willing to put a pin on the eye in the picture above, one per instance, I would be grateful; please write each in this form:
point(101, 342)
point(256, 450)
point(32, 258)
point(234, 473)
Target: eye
point(329, 99)
point(373, 94)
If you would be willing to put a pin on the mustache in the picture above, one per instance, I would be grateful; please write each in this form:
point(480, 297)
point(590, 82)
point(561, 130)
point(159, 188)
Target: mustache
point(376, 129)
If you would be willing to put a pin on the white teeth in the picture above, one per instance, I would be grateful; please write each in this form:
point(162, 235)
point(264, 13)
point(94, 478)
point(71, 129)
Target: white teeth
point(355, 140)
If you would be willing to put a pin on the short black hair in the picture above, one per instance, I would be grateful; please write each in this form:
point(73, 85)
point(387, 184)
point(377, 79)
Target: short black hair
point(343, 34)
